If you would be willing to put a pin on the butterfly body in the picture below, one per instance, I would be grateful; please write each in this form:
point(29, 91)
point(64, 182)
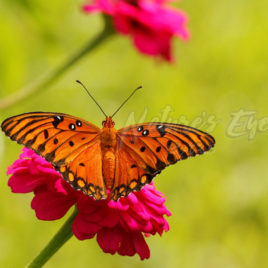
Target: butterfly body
point(93, 160)
point(108, 148)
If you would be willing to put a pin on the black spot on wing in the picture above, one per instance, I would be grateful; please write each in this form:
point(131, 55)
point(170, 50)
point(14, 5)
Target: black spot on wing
point(181, 153)
point(71, 143)
point(145, 132)
point(57, 119)
point(142, 149)
point(72, 126)
point(160, 165)
point(161, 129)
point(29, 143)
point(158, 149)
point(50, 156)
point(140, 128)
point(41, 148)
point(169, 143)
point(171, 159)
point(78, 123)
point(46, 133)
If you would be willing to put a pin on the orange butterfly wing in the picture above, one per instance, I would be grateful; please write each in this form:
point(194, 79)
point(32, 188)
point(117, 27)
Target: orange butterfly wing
point(143, 150)
point(71, 144)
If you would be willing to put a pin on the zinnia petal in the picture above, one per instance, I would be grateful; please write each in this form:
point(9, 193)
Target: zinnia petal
point(110, 239)
point(51, 206)
point(150, 23)
point(119, 226)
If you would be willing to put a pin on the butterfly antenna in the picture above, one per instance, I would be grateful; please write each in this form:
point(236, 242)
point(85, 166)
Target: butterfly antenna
point(126, 100)
point(79, 82)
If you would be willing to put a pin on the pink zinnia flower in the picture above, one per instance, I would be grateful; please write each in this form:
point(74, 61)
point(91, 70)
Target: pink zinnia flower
point(119, 226)
point(150, 23)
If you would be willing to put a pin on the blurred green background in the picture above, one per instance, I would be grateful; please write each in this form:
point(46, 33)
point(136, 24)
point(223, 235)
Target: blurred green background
point(219, 200)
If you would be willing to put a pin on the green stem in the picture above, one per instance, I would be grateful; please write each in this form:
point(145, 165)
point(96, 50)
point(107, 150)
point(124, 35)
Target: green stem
point(46, 79)
point(62, 236)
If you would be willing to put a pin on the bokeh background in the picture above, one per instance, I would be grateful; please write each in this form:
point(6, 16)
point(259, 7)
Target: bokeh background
point(219, 200)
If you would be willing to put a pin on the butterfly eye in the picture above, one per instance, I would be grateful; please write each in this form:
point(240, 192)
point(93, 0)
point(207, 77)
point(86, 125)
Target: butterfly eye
point(140, 128)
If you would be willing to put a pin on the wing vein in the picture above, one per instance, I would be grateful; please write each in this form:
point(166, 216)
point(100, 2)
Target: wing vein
point(132, 150)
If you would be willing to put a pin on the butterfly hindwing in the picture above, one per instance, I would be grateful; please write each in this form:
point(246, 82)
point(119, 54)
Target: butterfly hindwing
point(150, 147)
point(131, 173)
point(84, 172)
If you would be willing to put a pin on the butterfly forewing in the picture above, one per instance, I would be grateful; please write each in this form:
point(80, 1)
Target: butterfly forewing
point(186, 140)
point(71, 144)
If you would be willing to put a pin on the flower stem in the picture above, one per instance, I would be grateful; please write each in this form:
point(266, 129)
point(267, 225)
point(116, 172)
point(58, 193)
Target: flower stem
point(46, 79)
point(62, 236)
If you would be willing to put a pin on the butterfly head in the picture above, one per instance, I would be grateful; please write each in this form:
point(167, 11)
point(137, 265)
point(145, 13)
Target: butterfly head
point(108, 122)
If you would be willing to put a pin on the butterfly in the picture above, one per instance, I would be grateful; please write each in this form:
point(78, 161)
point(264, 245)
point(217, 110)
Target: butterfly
point(93, 160)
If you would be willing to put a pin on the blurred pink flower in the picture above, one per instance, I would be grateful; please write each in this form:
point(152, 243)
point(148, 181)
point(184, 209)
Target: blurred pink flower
point(150, 23)
point(119, 226)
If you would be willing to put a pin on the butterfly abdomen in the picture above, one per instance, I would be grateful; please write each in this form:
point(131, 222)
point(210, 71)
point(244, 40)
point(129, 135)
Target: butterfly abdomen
point(108, 145)
point(108, 168)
